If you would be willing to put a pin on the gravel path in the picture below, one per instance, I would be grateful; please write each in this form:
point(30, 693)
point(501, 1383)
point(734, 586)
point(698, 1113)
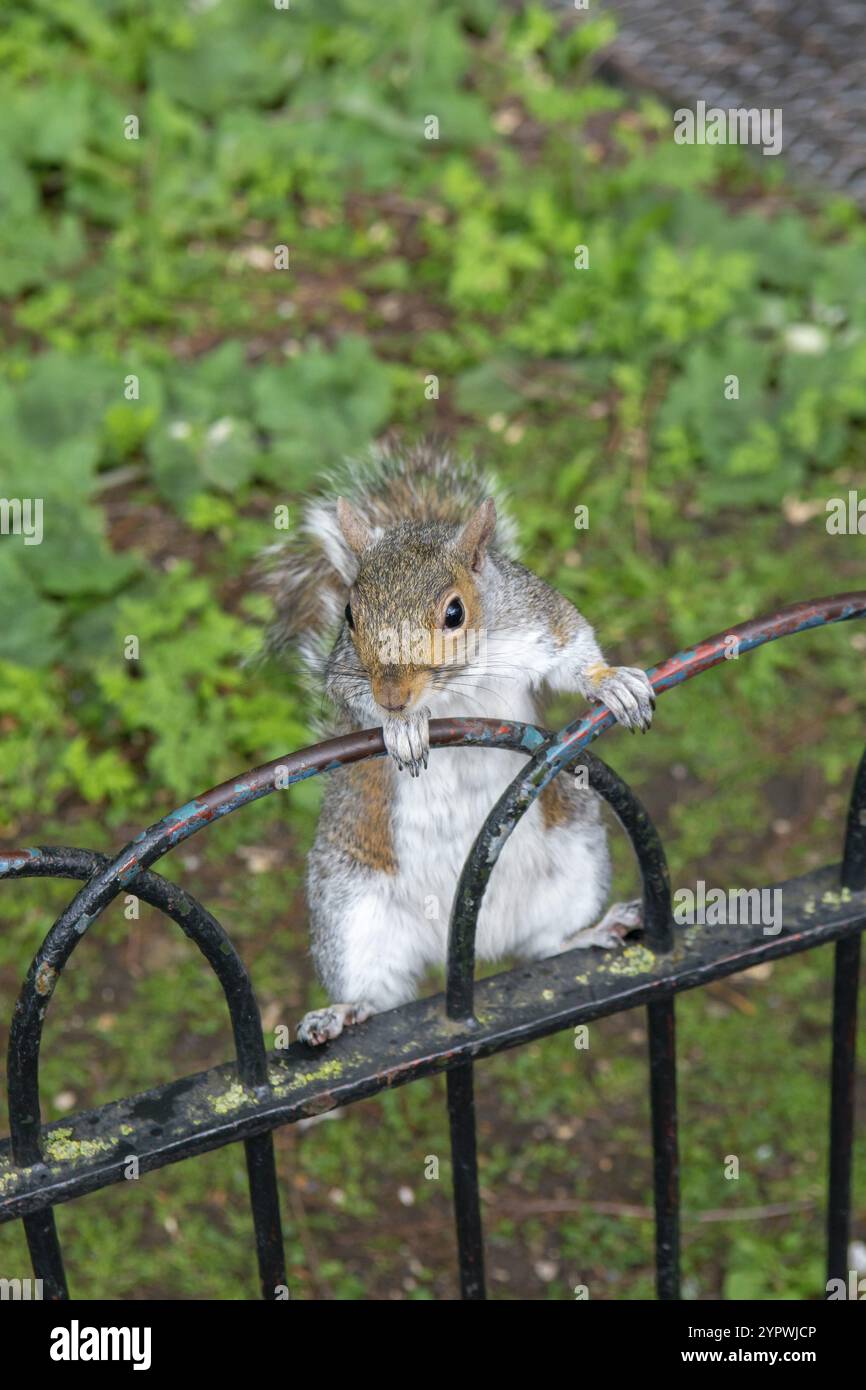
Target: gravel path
point(807, 57)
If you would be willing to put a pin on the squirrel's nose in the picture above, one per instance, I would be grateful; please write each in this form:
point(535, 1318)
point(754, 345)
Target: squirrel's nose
point(393, 700)
point(392, 696)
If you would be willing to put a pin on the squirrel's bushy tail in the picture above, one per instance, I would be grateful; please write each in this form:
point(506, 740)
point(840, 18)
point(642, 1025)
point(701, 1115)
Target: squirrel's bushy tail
point(307, 575)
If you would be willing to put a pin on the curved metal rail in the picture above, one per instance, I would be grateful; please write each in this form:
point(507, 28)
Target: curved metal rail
point(216, 947)
point(549, 755)
point(563, 751)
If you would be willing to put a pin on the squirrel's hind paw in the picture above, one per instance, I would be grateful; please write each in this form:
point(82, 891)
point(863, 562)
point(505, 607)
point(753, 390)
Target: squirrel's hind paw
point(629, 696)
point(612, 930)
point(321, 1025)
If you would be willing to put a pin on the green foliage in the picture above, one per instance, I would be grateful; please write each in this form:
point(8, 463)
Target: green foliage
point(166, 387)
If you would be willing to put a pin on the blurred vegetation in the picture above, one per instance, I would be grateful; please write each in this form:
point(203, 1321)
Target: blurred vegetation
point(409, 258)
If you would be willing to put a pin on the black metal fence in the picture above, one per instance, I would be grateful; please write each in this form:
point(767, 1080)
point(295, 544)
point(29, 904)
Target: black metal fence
point(41, 1166)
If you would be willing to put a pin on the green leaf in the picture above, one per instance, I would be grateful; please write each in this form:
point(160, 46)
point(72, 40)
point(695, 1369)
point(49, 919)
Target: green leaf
point(489, 388)
point(73, 559)
point(28, 622)
point(64, 398)
point(320, 406)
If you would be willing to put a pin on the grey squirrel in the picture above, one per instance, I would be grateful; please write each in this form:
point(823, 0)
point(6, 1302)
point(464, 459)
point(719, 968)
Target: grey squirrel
point(409, 577)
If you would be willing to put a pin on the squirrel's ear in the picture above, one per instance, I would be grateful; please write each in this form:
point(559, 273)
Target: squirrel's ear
point(473, 539)
point(356, 532)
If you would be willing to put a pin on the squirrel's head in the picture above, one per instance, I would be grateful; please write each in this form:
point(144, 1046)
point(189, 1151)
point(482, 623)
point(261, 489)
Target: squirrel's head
point(415, 611)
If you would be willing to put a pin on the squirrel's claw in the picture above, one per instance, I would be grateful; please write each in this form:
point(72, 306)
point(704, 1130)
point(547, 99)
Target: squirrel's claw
point(407, 739)
point(629, 696)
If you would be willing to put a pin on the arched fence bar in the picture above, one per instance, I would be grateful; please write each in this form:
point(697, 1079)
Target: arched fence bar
point(247, 1099)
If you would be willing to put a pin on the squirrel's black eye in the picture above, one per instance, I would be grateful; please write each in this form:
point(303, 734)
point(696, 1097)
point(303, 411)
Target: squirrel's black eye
point(349, 619)
point(454, 613)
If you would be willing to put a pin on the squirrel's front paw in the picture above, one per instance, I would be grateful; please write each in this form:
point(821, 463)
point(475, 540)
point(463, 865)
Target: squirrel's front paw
point(407, 739)
point(628, 694)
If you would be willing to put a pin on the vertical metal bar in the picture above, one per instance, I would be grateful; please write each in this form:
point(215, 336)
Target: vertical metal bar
point(44, 1246)
point(464, 1164)
point(854, 853)
point(658, 933)
point(265, 1203)
point(846, 978)
point(666, 1174)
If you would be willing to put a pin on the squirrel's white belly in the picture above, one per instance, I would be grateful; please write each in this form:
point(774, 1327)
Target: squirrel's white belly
point(376, 931)
point(549, 881)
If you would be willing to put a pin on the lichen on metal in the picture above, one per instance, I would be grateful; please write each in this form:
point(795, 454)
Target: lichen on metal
point(632, 960)
point(46, 979)
point(60, 1147)
point(233, 1099)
